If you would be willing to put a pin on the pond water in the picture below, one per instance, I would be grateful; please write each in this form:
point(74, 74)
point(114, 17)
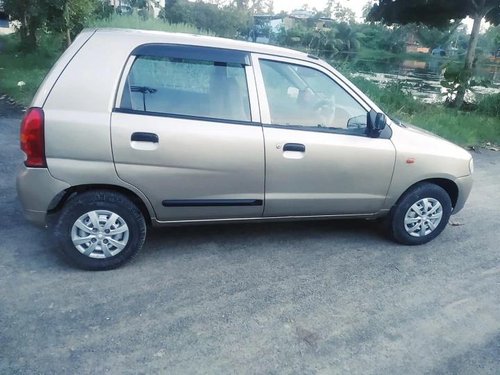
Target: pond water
point(422, 77)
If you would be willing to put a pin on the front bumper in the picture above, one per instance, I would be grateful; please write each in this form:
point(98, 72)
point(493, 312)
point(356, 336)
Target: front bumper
point(464, 185)
point(36, 188)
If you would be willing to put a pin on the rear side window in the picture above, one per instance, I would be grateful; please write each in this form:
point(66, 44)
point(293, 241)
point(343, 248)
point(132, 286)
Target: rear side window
point(186, 87)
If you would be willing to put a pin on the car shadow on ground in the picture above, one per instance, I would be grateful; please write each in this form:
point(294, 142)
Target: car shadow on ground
point(254, 238)
point(349, 234)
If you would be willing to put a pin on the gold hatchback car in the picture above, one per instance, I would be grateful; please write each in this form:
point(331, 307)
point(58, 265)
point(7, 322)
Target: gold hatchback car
point(133, 128)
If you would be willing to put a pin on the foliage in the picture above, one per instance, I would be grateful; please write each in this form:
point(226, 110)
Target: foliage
point(440, 13)
point(393, 98)
point(348, 39)
point(490, 40)
point(30, 67)
point(338, 39)
point(338, 12)
point(69, 16)
point(382, 38)
point(489, 105)
point(465, 128)
point(228, 21)
point(436, 13)
point(433, 37)
point(455, 78)
point(31, 14)
point(136, 22)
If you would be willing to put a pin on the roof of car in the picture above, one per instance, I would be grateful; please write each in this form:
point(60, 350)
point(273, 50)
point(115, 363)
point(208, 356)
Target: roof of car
point(146, 36)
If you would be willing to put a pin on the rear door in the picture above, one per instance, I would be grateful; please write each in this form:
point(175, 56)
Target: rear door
point(186, 132)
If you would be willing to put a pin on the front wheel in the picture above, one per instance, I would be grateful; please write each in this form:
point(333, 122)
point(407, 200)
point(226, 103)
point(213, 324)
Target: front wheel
point(420, 215)
point(100, 230)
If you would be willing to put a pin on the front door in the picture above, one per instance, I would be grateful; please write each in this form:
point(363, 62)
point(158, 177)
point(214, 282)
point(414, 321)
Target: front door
point(320, 157)
point(185, 134)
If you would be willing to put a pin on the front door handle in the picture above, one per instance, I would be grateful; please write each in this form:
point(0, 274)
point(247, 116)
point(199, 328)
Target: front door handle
point(145, 137)
point(297, 147)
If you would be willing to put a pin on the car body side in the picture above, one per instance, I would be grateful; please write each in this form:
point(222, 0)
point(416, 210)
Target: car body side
point(78, 135)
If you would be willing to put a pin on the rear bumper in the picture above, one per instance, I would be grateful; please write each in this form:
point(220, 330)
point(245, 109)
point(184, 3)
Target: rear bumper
point(464, 188)
point(36, 189)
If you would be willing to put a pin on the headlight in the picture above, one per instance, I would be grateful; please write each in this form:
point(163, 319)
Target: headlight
point(471, 165)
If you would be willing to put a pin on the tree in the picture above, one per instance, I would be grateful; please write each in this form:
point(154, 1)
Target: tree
point(226, 21)
point(434, 37)
point(440, 13)
point(348, 39)
point(490, 40)
point(30, 14)
point(367, 8)
point(338, 12)
point(269, 5)
point(241, 4)
point(69, 16)
point(66, 16)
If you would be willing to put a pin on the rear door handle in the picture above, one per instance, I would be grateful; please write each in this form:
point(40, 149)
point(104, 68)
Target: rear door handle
point(297, 147)
point(145, 137)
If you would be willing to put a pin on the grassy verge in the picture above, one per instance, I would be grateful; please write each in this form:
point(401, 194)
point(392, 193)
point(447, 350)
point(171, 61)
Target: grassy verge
point(22, 72)
point(464, 128)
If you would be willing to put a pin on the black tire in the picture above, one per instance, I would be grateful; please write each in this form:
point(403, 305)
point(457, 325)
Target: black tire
point(396, 219)
point(101, 200)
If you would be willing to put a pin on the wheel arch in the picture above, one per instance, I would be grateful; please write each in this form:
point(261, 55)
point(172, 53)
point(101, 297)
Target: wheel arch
point(448, 185)
point(59, 200)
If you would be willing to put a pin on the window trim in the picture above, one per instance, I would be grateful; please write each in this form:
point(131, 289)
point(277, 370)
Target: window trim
point(190, 52)
point(184, 117)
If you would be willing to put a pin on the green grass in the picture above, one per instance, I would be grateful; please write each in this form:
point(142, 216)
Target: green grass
point(135, 22)
point(17, 67)
point(464, 128)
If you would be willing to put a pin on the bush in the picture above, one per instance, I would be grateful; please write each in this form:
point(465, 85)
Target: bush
point(393, 98)
point(489, 105)
point(136, 22)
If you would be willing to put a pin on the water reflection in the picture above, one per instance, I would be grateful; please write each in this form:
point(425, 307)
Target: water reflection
point(422, 77)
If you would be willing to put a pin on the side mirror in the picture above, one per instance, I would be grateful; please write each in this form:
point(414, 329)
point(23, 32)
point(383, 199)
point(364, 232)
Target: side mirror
point(380, 122)
point(376, 121)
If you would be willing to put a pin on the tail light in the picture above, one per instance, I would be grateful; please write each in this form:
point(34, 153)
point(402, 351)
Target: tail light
point(32, 138)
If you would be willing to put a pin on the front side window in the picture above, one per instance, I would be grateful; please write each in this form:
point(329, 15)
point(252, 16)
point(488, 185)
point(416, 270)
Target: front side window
point(186, 87)
point(302, 97)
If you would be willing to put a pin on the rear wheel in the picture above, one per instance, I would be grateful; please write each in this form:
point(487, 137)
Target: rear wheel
point(100, 230)
point(420, 215)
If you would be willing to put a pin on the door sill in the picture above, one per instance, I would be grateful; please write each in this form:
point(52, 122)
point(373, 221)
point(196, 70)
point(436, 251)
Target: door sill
point(262, 218)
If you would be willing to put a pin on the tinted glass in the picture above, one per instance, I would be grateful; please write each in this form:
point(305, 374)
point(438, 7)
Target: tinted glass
point(187, 87)
point(301, 97)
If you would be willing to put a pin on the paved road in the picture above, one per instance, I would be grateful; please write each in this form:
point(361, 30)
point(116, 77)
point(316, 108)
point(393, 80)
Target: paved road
point(302, 298)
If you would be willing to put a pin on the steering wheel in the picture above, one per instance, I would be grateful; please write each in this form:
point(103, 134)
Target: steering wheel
point(325, 109)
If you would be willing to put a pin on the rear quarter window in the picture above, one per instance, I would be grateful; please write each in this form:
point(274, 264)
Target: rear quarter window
point(187, 87)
